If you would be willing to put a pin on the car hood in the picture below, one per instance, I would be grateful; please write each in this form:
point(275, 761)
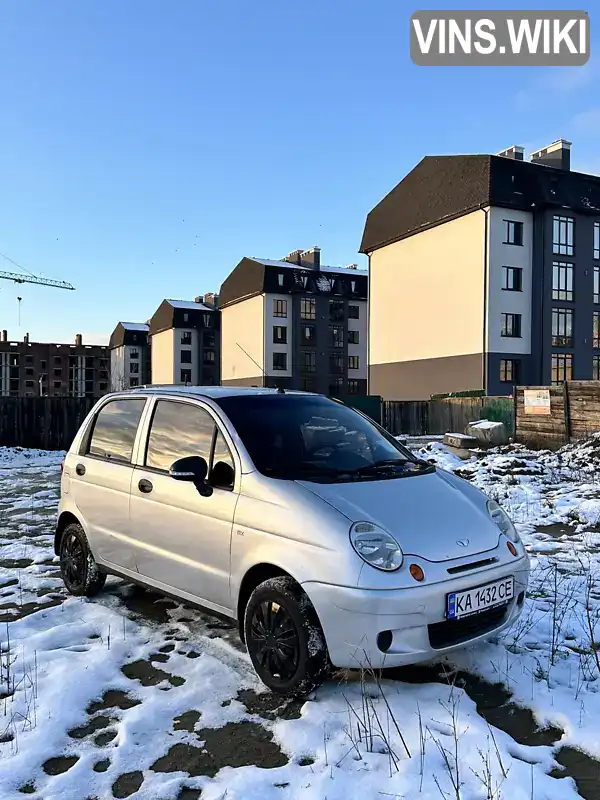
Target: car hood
point(428, 514)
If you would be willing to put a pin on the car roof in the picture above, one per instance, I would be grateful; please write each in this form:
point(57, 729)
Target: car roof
point(214, 392)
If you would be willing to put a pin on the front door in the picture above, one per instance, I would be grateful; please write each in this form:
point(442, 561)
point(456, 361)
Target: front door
point(182, 538)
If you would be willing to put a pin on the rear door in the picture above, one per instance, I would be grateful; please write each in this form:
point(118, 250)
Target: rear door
point(183, 539)
point(100, 478)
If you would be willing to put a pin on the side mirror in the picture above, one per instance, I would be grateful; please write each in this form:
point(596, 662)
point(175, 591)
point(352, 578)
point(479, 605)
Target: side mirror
point(193, 469)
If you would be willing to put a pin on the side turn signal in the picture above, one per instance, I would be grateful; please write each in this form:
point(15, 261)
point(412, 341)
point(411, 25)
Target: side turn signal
point(417, 573)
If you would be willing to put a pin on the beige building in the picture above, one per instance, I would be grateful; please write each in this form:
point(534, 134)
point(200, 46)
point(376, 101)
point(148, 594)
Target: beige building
point(473, 276)
point(295, 324)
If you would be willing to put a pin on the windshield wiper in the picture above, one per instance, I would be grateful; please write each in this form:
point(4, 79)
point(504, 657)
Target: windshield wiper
point(390, 466)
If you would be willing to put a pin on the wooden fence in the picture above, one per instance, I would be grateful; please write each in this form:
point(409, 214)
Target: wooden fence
point(452, 414)
point(574, 413)
point(48, 423)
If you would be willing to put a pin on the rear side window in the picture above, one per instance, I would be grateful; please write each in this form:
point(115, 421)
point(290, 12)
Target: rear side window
point(115, 429)
point(178, 430)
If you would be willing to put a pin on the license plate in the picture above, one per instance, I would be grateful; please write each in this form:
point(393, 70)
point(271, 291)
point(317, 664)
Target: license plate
point(472, 601)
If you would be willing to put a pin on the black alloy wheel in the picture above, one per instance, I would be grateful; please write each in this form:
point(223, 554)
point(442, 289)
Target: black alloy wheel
point(274, 639)
point(78, 568)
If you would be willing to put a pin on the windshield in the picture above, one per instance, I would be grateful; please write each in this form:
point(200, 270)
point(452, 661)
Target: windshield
point(310, 437)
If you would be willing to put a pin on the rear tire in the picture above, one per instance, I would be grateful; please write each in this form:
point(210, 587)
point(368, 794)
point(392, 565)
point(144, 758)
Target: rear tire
point(284, 638)
point(78, 568)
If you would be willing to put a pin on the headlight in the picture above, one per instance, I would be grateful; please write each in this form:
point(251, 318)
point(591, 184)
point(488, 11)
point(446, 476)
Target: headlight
point(376, 546)
point(502, 520)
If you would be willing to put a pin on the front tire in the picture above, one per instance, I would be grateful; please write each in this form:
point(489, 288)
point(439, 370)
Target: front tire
point(78, 567)
point(284, 638)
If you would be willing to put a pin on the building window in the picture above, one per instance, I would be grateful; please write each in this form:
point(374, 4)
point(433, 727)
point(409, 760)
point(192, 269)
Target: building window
point(134, 382)
point(308, 334)
point(280, 279)
point(279, 334)
point(134, 353)
point(308, 361)
point(57, 361)
point(208, 357)
point(186, 376)
point(596, 284)
point(135, 368)
point(57, 373)
point(353, 311)
point(30, 384)
point(562, 367)
point(562, 327)
point(186, 317)
point(57, 384)
point(353, 387)
point(336, 386)
point(43, 363)
point(210, 339)
point(512, 279)
point(513, 232)
point(208, 320)
point(563, 236)
point(308, 384)
point(509, 370)
point(596, 368)
point(336, 364)
point(353, 362)
point(280, 361)
point(336, 311)
point(29, 359)
point(185, 357)
point(336, 336)
point(102, 387)
point(308, 308)
point(29, 371)
point(353, 337)
point(280, 308)
point(511, 326)
point(596, 239)
point(596, 336)
point(562, 280)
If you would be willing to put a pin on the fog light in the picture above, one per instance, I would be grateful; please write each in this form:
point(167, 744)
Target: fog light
point(512, 548)
point(417, 573)
point(384, 641)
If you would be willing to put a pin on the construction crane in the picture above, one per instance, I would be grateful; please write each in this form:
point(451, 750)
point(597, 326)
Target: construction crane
point(17, 277)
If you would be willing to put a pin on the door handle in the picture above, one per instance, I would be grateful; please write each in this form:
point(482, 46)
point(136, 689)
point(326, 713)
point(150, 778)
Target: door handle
point(145, 486)
point(80, 469)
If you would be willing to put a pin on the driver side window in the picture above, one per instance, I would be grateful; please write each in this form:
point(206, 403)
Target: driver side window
point(182, 429)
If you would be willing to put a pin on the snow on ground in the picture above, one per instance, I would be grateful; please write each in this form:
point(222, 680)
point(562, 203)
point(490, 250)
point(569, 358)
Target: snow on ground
point(133, 695)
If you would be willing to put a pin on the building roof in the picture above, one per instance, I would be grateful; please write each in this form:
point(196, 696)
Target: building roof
point(441, 188)
point(135, 326)
point(189, 305)
point(255, 276)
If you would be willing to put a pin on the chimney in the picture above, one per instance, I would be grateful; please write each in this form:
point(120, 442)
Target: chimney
point(557, 155)
point(26, 338)
point(295, 257)
point(5, 336)
point(78, 339)
point(515, 151)
point(352, 266)
point(209, 299)
point(311, 258)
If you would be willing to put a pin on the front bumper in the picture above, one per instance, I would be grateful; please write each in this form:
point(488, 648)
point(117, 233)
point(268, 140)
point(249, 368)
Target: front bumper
point(352, 619)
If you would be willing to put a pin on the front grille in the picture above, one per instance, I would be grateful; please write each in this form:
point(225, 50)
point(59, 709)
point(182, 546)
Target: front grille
point(473, 565)
point(457, 631)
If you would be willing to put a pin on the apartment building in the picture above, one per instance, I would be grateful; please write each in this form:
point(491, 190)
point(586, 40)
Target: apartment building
point(185, 342)
point(485, 273)
point(295, 324)
point(30, 369)
point(129, 356)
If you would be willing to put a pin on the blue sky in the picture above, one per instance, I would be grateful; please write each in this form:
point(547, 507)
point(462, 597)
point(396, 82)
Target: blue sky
point(145, 146)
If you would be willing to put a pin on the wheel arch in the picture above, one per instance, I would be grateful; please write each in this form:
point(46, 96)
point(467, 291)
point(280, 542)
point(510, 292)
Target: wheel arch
point(65, 519)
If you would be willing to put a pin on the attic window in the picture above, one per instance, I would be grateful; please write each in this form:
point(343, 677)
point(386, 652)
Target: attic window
point(185, 316)
point(280, 279)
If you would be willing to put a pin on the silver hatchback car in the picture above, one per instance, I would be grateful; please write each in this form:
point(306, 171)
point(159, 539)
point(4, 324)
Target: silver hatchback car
point(328, 542)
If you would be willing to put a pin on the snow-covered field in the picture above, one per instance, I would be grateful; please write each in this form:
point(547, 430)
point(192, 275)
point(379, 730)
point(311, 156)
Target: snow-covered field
point(132, 695)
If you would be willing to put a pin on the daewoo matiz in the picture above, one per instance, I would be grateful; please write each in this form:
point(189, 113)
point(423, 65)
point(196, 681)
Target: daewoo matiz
point(328, 542)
